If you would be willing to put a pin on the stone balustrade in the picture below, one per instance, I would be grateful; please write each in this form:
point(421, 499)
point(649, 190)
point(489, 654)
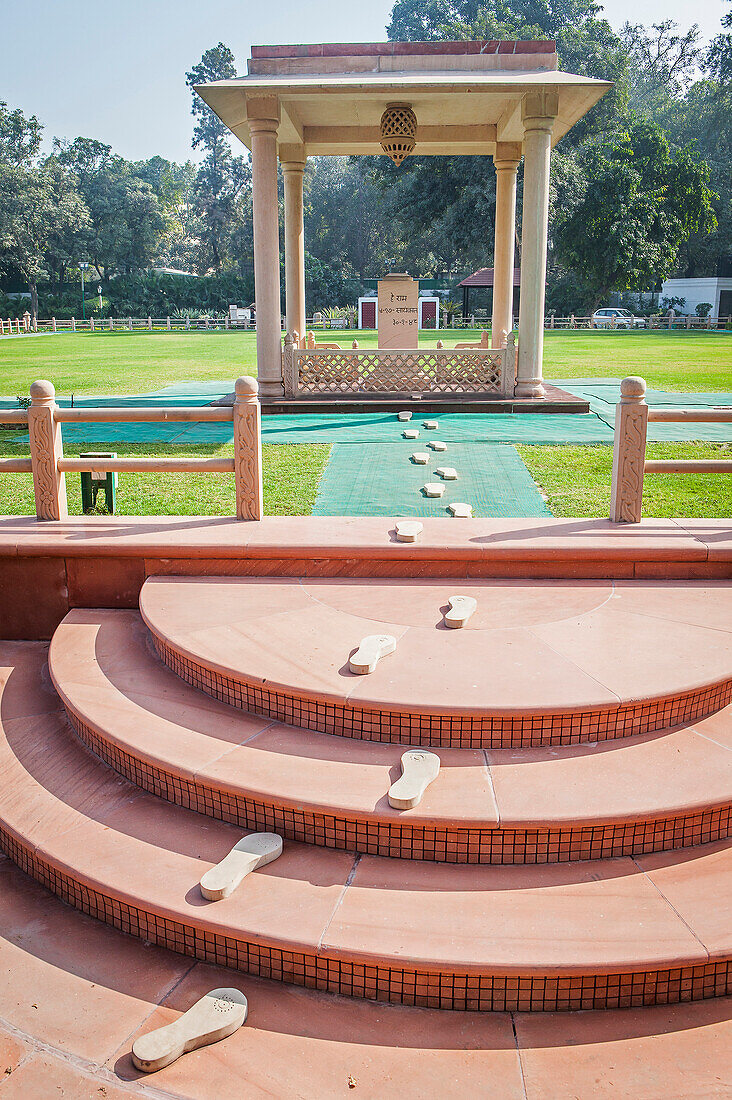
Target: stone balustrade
point(48, 464)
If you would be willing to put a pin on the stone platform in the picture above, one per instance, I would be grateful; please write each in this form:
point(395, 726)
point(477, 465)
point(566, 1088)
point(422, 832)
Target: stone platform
point(556, 908)
point(555, 400)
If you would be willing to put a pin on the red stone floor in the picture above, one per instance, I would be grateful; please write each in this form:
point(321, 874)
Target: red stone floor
point(74, 994)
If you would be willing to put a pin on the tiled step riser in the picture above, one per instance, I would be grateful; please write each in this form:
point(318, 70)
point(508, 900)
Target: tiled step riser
point(401, 840)
point(449, 730)
point(456, 990)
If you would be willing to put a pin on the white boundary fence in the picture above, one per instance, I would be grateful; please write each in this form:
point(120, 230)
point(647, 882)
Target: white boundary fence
point(19, 326)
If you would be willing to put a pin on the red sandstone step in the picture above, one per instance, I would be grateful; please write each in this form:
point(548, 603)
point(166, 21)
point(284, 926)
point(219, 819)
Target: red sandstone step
point(646, 793)
point(77, 996)
point(596, 934)
point(538, 663)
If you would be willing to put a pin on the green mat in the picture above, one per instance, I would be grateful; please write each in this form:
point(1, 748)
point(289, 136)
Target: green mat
point(604, 394)
point(344, 427)
point(378, 479)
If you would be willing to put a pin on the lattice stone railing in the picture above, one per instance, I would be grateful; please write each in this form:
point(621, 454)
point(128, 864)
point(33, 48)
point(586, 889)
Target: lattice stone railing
point(322, 372)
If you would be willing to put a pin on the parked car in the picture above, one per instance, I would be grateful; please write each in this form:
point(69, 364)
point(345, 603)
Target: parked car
point(603, 318)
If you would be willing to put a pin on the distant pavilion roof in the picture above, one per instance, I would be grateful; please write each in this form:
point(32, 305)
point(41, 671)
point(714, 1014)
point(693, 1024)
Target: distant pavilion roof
point(467, 95)
point(484, 277)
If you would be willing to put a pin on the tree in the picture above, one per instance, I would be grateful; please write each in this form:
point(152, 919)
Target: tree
point(643, 202)
point(38, 208)
point(20, 137)
point(719, 57)
point(222, 176)
point(125, 225)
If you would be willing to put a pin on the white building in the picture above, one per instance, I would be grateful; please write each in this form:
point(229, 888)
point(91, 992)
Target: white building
point(694, 291)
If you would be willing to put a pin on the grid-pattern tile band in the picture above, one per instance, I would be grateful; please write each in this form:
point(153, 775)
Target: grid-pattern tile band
point(449, 730)
point(450, 843)
point(478, 992)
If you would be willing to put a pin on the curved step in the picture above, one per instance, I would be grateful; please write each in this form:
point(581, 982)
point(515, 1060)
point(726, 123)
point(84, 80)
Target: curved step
point(302, 1043)
point(604, 933)
point(643, 794)
point(538, 663)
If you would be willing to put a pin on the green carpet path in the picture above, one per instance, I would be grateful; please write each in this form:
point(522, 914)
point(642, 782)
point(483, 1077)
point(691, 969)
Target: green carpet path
point(375, 479)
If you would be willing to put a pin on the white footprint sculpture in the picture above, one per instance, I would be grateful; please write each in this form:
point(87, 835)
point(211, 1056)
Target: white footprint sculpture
point(460, 610)
point(419, 769)
point(411, 433)
point(220, 1013)
point(252, 851)
point(461, 511)
point(433, 489)
point(372, 648)
point(447, 473)
point(408, 530)
point(420, 458)
point(438, 445)
point(431, 425)
point(404, 416)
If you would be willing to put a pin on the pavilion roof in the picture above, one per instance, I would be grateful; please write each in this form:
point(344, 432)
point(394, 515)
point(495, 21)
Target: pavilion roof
point(466, 95)
point(484, 277)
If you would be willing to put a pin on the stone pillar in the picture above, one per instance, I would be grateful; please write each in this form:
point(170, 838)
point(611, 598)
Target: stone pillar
point(629, 452)
point(44, 433)
point(247, 450)
point(293, 168)
point(263, 118)
point(506, 162)
point(538, 112)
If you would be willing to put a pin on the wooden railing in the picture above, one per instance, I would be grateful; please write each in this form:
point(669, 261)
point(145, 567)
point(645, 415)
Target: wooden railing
point(629, 454)
point(48, 464)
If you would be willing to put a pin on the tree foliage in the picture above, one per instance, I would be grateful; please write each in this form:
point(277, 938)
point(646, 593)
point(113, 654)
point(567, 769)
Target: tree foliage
point(644, 200)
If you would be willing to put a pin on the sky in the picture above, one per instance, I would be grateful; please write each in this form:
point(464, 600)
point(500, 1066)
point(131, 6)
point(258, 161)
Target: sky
point(116, 72)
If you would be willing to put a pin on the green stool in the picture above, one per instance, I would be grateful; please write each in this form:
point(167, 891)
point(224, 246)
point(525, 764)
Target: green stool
point(93, 483)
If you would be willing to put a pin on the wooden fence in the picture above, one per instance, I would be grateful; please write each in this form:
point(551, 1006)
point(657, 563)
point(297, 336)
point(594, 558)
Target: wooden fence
point(19, 326)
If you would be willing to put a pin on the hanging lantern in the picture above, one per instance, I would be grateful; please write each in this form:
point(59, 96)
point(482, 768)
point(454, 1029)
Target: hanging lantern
point(398, 131)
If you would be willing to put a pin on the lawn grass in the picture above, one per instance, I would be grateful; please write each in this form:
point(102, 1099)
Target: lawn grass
point(138, 362)
point(576, 480)
point(290, 475)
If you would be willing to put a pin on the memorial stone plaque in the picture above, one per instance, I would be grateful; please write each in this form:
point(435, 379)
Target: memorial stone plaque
point(398, 318)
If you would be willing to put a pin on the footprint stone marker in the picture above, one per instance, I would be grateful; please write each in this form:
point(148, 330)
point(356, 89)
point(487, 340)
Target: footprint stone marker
point(438, 445)
point(419, 769)
point(431, 425)
point(252, 851)
point(372, 648)
point(405, 416)
point(420, 458)
point(411, 433)
point(461, 511)
point(218, 1014)
point(447, 473)
point(461, 608)
point(434, 489)
point(408, 530)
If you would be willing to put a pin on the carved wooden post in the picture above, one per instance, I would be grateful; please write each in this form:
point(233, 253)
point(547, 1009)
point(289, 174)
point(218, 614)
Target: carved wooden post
point(247, 449)
point(629, 453)
point(91, 324)
point(46, 448)
point(167, 322)
point(129, 324)
point(53, 324)
point(149, 322)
